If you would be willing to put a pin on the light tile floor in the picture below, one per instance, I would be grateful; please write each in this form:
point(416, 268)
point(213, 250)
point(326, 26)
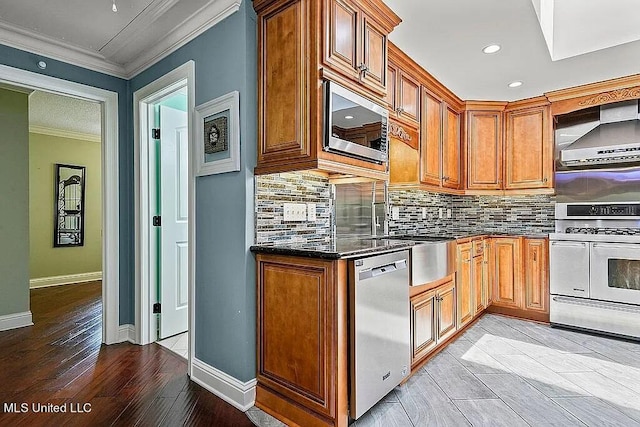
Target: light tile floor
point(510, 372)
point(179, 344)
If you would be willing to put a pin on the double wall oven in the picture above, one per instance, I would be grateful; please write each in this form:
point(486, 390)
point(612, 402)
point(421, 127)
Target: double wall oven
point(594, 258)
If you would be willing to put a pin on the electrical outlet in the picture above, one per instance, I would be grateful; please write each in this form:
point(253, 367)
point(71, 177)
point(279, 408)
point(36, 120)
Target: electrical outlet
point(311, 212)
point(441, 213)
point(448, 212)
point(424, 213)
point(295, 212)
point(395, 213)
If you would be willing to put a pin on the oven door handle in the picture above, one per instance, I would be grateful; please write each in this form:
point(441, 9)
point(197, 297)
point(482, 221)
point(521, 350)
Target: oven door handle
point(568, 243)
point(616, 246)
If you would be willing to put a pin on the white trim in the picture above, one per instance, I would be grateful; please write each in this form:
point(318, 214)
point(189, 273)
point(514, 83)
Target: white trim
point(43, 130)
point(24, 39)
point(144, 238)
point(127, 333)
point(235, 392)
point(110, 180)
point(199, 22)
point(44, 282)
point(16, 320)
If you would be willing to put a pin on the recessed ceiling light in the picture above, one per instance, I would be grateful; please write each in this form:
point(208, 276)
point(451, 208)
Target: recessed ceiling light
point(348, 117)
point(515, 84)
point(492, 48)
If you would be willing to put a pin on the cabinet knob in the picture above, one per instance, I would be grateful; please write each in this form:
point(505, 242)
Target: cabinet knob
point(544, 180)
point(445, 178)
point(399, 110)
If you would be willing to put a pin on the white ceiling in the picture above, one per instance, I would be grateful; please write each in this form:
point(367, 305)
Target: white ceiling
point(446, 37)
point(63, 115)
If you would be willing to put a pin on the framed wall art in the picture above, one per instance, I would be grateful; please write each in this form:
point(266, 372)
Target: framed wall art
point(218, 135)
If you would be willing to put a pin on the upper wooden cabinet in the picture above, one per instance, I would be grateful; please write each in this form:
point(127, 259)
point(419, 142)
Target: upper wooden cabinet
point(300, 44)
point(404, 154)
point(403, 95)
point(484, 149)
point(356, 43)
point(440, 145)
point(528, 145)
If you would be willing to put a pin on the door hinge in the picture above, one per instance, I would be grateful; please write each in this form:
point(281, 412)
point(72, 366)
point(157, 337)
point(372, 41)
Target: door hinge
point(157, 308)
point(155, 133)
point(157, 221)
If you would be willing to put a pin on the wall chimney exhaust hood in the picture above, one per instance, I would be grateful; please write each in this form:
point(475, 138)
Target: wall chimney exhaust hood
point(615, 140)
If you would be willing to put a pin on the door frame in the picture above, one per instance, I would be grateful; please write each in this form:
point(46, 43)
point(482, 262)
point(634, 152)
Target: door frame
point(144, 190)
point(110, 181)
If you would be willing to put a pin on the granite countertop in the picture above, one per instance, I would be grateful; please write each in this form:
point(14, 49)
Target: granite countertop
point(336, 249)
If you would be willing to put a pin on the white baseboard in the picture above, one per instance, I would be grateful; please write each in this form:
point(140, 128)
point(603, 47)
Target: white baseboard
point(239, 394)
point(127, 333)
point(16, 320)
point(43, 282)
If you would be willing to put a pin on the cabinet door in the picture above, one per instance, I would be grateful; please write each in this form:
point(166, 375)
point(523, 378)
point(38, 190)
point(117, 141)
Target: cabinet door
point(528, 150)
point(430, 145)
point(450, 148)
point(477, 275)
point(536, 277)
point(283, 95)
point(392, 87)
point(484, 150)
point(408, 98)
point(488, 271)
point(342, 28)
point(423, 325)
point(374, 56)
point(508, 272)
point(464, 283)
point(446, 311)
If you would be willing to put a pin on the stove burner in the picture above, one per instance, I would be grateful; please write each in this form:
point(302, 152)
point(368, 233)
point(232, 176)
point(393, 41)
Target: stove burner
point(603, 230)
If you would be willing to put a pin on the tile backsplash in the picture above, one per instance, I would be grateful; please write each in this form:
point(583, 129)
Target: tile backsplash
point(532, 214)
point(273, 191)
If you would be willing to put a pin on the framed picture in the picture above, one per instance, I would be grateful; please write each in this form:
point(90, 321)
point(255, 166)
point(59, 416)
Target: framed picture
point(218, 135)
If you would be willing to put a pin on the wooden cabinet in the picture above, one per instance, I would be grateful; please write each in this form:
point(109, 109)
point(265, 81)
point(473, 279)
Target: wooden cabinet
point(433, 319)
point(536, 275)
point(528, 147)
point(302, 301)
point(464, 283)
point(404, 102)
point(484, 149)
point(520, 277)
point(488, 271)
point(440, 144)
point(479, 276)
point(356, 44)
point(300, 44)
point(404, 154)
point(507, 266)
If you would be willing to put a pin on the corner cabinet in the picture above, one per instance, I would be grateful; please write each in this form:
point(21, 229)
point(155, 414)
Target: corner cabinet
point(300, 44)
point(302, 339)
point(528, 146)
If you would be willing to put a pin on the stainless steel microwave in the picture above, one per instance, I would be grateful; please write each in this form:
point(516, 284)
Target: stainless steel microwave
point(354, 125)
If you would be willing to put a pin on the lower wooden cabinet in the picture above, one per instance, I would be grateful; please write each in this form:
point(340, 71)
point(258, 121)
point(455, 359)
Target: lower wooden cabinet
point(479, 283)
point(433, 319)
point(536, 282)
point(464, 281)
point(507, 267)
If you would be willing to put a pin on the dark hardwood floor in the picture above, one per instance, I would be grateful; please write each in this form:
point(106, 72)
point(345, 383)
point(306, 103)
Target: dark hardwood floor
point(60, 361)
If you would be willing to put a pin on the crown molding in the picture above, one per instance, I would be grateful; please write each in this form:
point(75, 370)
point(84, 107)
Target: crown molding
point(199, 22)
point(43, 130)
point(23, 39)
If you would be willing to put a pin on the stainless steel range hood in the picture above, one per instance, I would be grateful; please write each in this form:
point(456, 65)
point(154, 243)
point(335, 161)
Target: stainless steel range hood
point(615, 140)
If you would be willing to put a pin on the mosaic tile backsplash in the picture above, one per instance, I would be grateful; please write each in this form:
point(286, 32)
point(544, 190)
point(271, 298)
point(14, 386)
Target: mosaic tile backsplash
point(525, 215)
point(273, 191)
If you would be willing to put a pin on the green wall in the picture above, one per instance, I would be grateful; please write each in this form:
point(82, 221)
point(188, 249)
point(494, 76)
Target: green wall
point(14, 215)
point(45, 260)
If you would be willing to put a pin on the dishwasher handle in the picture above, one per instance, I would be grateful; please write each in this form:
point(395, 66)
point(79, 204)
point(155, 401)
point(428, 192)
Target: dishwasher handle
point(370, 273)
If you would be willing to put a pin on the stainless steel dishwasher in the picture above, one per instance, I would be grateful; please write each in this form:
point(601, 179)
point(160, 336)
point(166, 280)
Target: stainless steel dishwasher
point(380, 353)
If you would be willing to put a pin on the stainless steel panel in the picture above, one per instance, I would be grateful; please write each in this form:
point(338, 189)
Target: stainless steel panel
point(615, 272)
point(431, 261)
point(380, 330)
point(618, 319)
point(569, 268)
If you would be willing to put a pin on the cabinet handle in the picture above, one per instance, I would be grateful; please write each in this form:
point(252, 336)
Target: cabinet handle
point(445, 178)
point(363, 68)
point(399, 110)
point(544, 180)
point(535, 257)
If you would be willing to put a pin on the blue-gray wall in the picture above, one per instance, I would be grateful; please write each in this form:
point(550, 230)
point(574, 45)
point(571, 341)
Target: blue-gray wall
point(27, 61)
point(225, 60)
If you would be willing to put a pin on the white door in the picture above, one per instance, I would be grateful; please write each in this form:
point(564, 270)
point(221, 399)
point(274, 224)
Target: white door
point(615, 272)
point(174, 258)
